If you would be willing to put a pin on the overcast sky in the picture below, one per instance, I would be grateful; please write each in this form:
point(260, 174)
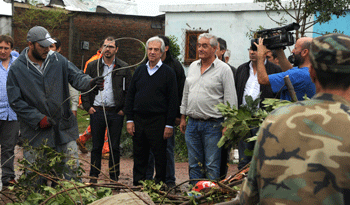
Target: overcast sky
point(151, 7)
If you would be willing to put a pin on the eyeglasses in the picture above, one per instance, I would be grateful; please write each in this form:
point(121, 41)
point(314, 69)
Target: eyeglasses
point(109, 47)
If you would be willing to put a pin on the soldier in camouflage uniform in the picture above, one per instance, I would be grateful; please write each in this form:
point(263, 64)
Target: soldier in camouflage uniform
point(302, 155)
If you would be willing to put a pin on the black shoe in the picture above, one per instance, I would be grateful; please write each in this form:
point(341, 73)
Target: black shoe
point(112, 178)
point(171, 185)
point(164, 187)
point(174, 189)
point(11, 182)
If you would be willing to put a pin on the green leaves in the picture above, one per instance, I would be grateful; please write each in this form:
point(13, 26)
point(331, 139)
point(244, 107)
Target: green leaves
point(271, 104)
point(35, 198)
point(50, 164)
point(174, 48)
point(239, 122)
point(152, 189)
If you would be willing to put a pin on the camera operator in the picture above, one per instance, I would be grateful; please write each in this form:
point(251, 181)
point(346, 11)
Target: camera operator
point(299, 75)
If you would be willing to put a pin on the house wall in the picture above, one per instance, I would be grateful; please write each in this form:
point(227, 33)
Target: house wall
point(5, 18)
point(232, 22)
point(341, 24)
point(5, 25)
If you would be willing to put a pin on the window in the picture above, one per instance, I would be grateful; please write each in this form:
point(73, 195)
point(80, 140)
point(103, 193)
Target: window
point(191, 53)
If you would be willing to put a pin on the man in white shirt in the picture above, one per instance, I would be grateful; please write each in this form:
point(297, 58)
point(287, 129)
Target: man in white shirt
point(246, 80)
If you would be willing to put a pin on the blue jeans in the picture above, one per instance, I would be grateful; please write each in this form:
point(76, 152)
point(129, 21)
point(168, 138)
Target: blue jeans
point(204, 156)
point(170, 165)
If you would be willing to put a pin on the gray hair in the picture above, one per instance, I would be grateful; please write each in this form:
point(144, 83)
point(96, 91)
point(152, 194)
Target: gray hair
point(227, 53)
point(213, 40)
point(156, 38)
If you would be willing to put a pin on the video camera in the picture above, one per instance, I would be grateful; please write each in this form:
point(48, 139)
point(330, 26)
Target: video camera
point(276, 38)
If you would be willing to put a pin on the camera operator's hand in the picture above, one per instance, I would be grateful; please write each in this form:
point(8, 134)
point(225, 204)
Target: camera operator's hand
point(263, 78)
point(261, 49)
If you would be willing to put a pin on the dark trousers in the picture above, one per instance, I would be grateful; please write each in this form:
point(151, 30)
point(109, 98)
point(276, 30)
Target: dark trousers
point(149, 132)
point(170, 167)
point(8, 139)
point(225, 155)
point(249, 146)
point(98, 128)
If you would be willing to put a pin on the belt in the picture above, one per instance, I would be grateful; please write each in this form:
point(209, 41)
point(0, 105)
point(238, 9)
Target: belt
point(106, 108)
point(211, 119)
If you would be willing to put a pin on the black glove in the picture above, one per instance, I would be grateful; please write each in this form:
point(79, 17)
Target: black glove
point(99, 81)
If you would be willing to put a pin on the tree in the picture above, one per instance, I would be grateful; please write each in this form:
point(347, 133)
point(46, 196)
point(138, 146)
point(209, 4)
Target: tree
point(303, 11)
point(174, 47)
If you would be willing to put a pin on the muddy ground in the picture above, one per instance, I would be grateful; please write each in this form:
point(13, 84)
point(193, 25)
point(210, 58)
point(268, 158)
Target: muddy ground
point(126, 165)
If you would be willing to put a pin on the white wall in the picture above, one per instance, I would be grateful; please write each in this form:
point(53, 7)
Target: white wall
point(5, 25)
point(231, 22)
point(5, 18)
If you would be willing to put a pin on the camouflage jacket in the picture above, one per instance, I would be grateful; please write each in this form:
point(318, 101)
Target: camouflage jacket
point(302, 155)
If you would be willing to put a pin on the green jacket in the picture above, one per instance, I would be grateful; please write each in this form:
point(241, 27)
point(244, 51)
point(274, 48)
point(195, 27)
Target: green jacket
point(302, 155)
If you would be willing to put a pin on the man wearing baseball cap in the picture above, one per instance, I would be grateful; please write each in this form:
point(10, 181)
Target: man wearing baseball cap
point(37, 88)
point(302, 155)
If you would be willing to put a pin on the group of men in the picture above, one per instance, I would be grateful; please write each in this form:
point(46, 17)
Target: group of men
point(39, 102)
point(158, 96)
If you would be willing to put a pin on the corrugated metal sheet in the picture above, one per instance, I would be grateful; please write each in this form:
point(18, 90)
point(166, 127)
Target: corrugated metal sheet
point(5, 8)
point(114, 6)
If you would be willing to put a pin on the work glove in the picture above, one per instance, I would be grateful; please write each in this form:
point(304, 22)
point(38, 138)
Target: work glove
point(46, 122)
point(99, 81)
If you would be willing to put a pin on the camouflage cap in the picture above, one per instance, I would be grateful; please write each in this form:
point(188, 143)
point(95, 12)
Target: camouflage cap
point(331, 53)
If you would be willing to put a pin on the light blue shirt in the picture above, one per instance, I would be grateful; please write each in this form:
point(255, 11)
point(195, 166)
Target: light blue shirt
point(15, 54)
point(6, 113)
point(105, 97)
point(152, 71)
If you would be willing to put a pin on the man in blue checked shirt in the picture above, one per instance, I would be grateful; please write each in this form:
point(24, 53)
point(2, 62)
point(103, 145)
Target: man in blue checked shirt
point(9, 126)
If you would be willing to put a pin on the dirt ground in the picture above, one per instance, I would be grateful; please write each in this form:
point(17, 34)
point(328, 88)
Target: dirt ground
point(126, 165)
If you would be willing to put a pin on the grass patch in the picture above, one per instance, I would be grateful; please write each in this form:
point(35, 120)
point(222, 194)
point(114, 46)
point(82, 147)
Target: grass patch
point(83, 120)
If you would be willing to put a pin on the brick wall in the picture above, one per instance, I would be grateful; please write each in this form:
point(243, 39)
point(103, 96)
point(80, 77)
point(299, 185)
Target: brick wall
point(94, 27)
point(20, 30)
